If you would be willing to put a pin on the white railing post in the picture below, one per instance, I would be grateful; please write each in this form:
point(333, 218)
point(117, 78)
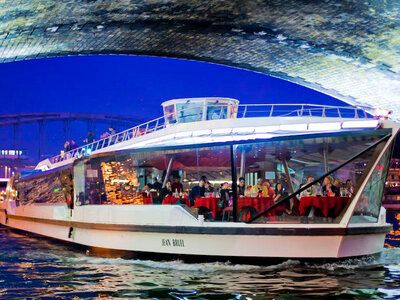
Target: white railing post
point(155, 129)
point(245, 111)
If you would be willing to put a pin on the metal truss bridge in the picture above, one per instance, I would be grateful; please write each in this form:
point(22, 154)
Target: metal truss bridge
point(16, 120)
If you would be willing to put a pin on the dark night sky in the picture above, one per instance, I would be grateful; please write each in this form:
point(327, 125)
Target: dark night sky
point(125, 85)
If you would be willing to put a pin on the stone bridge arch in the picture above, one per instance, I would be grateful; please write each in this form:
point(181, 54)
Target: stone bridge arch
point(348, 49)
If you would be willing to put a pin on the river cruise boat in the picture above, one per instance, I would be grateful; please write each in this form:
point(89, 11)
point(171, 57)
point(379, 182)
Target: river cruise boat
point(235, 183)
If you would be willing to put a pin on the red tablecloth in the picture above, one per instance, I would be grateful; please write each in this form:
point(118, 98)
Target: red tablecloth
point(171, 200)
point(147, 201)
point(260, 204)
point(324, 204)
point(210, 203)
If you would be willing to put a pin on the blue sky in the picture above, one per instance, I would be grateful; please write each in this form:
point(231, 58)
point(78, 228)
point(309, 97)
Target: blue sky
point(133, 85)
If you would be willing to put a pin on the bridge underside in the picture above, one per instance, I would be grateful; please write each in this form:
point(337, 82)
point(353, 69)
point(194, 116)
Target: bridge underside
point(347, 49)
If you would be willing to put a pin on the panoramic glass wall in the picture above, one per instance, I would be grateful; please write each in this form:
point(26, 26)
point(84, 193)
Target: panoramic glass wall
point(129, 177)
point(369, 204)
point(52, 187)
point(201, 178)
point(273, 170)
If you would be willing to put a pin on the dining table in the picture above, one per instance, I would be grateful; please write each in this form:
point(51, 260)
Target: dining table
point(324, 203)
point(168, 200)
point(147, 201)
point(259, 203)
point(210, 203)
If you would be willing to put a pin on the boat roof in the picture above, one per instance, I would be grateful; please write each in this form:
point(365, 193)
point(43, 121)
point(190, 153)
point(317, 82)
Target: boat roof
point(349, 133)
point(37, 173)
point(247, 122)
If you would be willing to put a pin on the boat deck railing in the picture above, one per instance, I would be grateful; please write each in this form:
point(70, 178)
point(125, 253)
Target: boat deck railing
point(243, 111)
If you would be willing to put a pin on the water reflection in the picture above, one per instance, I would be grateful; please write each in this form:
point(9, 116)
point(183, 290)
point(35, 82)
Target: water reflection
point(34, 268)
point(393, 238)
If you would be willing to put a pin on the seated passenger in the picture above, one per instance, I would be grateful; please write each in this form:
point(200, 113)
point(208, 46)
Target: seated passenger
point(177, 186)
point(248, 192)
point(146, 190)
point(241, 187)
point(328, 188)
point(156, 185)
point(216, 193)
point(338, 183)
point(281, 193)
point(208, 187)
point(197, 191)
point(271, 192)
point(259, 189)
point(272, 184)
point(226, 194)
point(309, 191)
point(349, 188)
point(164, 192)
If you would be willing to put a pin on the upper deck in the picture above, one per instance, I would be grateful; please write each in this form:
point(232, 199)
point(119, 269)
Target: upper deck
point(203, 120)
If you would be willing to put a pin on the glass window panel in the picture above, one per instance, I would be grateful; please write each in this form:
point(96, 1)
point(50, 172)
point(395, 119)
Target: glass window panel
point(79, 183)
point(216, 112)
point(189, 112)
point(295, 161)
point(53, 187)
point(369, 204)
point(128, 177)
point(169, 114)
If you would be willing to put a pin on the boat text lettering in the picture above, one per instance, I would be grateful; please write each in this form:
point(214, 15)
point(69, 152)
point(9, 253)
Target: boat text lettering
point(172, 242)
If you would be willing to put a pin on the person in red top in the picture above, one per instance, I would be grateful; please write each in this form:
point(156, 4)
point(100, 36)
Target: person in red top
point(271, 192)
point(177, 185)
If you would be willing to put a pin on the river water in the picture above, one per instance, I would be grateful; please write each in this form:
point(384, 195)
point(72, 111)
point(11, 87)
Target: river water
point(31, 268)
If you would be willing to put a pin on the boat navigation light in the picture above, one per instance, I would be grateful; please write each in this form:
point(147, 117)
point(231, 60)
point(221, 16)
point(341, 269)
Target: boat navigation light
point(324, 126)
point(360, 124)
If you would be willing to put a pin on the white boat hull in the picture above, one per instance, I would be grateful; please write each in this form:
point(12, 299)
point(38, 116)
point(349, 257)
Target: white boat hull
point(124, 228)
